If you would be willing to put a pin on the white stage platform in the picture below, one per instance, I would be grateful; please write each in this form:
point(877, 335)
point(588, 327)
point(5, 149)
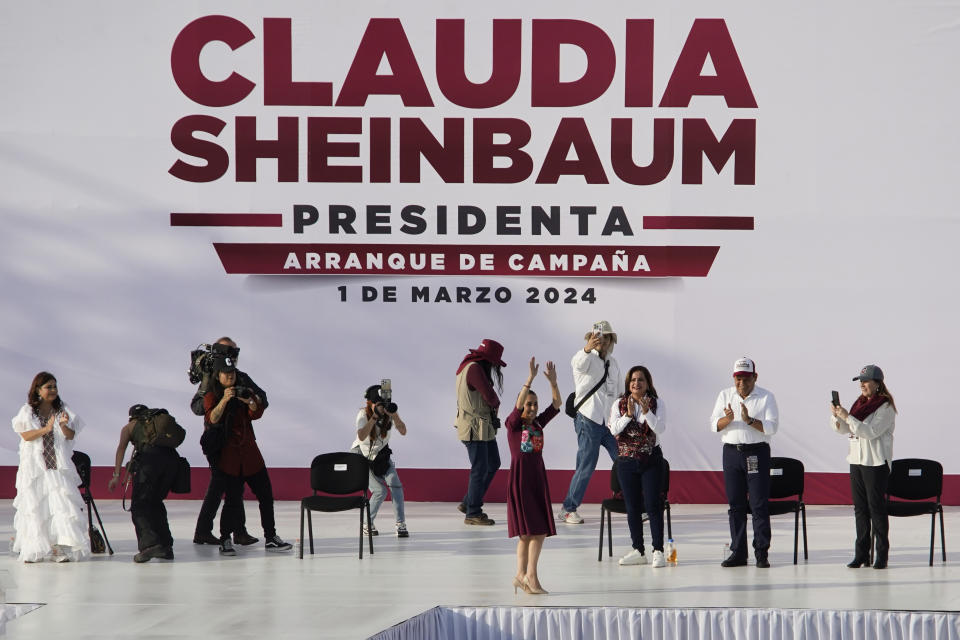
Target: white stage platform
point(467, 570)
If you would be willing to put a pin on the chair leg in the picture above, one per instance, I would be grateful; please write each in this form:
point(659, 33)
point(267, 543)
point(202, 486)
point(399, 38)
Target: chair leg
point(310, 529)
point(361, 530)
point(943, 547)
point(600, 546)
point(933, 529)
point(796, 533)
point(666, 508)
point(370, 523)
point(803, 509)
point(300, 552)
point(610, 534)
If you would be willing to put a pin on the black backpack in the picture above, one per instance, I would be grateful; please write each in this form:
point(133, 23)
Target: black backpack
point(157, 428)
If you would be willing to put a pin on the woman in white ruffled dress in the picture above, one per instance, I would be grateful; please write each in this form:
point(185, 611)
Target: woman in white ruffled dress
point(49, 522)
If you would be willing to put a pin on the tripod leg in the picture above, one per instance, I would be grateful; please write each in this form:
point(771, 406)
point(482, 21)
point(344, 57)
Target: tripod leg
point(87, 498)
point(93, 507)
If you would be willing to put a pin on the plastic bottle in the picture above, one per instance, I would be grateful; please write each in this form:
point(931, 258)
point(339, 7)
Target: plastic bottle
point(296, 548)
point(671, 552)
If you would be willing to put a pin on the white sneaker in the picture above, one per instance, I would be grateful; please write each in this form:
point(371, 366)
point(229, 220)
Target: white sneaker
point(572, 517)
point(658, 559)
point(634, 557)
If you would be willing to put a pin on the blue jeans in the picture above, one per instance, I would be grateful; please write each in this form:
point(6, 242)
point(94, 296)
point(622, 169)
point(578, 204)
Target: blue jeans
point(484, 462)
point(590, 436)
point(378, 487)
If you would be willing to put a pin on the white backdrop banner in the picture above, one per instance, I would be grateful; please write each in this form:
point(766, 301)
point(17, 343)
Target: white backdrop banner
point(357, 191)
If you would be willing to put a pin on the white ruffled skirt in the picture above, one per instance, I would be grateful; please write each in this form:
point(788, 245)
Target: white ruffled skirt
point(49, 522)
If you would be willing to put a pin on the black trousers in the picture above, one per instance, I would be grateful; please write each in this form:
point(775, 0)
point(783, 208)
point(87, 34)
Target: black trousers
point(156, 470)
point(233, 518)
point(640, 483)
point(869, 488)
point(746, 472)
point(211, 502)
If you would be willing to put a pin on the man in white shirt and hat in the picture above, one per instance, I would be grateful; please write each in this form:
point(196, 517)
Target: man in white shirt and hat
point(746, 416)
point(594, 370)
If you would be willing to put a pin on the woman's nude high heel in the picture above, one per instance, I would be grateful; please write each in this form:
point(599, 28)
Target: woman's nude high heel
point(534, 592)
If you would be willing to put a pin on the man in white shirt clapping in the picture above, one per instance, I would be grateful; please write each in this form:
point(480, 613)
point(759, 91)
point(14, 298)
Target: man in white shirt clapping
point(746, 416)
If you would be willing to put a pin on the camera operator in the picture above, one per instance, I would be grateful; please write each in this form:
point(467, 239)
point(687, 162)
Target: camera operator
point(374, 422)
point(248, 465)
point(224, 347)
point(153, 470)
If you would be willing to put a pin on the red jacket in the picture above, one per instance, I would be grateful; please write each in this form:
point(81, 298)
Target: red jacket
point(241, 455)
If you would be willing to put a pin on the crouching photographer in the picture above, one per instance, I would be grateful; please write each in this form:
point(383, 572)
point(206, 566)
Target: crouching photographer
point(154, 470)
point(375, 422)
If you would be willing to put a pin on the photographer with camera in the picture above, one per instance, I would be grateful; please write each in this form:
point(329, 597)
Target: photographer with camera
point(152, 472)
point(236, 459)
point(201, 370)
point(374, 422)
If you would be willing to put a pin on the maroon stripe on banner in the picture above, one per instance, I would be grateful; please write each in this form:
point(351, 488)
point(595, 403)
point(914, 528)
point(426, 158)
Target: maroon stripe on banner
point(449, 485)
point(739, 223)
point(466, 260)
point(226, 220)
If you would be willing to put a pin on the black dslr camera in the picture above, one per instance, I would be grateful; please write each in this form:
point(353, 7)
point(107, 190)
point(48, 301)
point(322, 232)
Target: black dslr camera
point(242, 392)
point(201, 359)
point(385, 406)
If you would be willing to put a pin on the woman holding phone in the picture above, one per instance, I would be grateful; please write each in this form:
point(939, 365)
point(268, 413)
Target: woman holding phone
point(869, 426)
point(637, 419)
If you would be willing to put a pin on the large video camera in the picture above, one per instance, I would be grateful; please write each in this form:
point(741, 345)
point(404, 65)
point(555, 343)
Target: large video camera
point(202, 358)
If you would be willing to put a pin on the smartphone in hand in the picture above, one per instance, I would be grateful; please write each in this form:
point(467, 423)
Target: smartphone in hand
point(835, 398)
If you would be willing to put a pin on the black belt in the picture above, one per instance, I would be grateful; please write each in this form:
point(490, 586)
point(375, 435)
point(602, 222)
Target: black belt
point(756, 446)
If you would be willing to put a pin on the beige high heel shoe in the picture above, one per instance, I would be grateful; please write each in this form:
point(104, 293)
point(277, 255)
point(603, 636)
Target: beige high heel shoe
point(534, 592)
point(517, 584)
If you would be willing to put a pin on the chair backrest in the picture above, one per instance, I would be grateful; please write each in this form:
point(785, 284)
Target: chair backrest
point(339, 473)
point(82, 462)
point(915, 479)
point(786, 478)
point(614, 479)
point(664, 479)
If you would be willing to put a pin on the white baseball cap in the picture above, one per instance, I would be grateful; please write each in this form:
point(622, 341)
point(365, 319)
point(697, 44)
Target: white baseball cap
point(744, 367)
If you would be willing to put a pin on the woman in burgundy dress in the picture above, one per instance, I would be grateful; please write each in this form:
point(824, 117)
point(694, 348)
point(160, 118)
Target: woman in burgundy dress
point(529, 509)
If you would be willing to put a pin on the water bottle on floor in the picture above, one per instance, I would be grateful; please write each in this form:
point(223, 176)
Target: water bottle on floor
point(670, 550)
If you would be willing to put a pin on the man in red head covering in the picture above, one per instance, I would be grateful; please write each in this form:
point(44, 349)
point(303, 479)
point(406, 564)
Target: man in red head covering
point(477, 423)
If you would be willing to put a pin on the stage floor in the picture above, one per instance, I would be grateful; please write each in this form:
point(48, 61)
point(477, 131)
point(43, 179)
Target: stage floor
point(333, 594)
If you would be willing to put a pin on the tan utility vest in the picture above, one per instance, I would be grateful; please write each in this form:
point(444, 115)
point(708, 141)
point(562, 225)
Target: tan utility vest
point(473, 413)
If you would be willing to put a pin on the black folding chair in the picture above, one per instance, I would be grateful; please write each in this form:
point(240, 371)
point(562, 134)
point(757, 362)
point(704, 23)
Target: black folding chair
point(339, 474)
point(786, 481)
point(82, 462)
point(917, 484)
point(616, 504)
